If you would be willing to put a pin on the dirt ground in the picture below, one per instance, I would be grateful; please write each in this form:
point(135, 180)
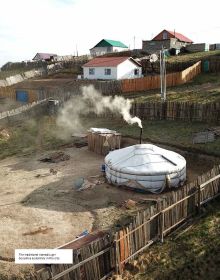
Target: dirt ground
point(42, 210)
point(39, 209)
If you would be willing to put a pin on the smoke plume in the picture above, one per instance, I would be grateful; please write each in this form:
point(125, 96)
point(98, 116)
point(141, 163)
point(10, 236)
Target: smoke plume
point(92, 101)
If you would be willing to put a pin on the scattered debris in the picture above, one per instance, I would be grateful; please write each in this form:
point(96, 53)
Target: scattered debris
point(4, 134)
point(215, 130)
point(53, 171)
point(80, 144)
point(55, 157)
point(68, 145)
point(42, 229)
point(80, 140)
point(84, 184)
point(77, 143)
point(42, 175)
point(129, 204)
point(85, 232)
point(203, 137)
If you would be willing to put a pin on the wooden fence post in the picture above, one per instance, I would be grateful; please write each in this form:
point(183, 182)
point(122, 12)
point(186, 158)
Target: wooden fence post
point(199, 199)
point(161, 226)
point(118, 267)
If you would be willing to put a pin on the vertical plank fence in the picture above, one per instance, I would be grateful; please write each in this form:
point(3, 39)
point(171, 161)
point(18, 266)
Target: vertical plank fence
point(99, 259)
point(175, 110)
point(153, 82)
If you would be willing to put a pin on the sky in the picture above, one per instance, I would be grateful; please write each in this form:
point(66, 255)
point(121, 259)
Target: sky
point(62, 26)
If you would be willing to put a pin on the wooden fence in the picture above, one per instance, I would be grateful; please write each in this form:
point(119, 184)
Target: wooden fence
point(24, 112)
point(186, 111)
point(213, 64)
point(153, 82)
point(171, 67)
point(109, 253)
point(7, 92)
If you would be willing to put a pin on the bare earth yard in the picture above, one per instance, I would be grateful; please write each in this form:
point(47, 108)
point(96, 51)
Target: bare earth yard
point(42, 210)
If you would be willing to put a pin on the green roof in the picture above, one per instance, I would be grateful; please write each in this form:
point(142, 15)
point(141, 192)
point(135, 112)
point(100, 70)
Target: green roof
point(112, 43)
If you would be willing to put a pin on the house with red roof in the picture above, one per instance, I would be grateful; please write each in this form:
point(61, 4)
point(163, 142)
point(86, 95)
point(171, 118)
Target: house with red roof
point(112, 68)
point(166, 39)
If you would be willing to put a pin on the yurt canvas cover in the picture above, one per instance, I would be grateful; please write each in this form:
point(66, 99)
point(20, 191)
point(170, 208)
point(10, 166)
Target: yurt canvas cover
point(145, 167)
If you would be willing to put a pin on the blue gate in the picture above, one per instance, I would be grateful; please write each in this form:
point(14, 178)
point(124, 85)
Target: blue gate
point(21, 96)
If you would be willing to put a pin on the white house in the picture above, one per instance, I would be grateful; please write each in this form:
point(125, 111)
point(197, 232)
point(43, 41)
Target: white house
point(112, 68)
point(107, 46)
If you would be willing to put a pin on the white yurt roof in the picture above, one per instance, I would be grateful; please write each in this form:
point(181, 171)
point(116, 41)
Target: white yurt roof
point(146, 159)
point(147, 165)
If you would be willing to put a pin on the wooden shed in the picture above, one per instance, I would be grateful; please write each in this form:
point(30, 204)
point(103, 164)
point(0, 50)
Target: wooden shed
point(102, 140)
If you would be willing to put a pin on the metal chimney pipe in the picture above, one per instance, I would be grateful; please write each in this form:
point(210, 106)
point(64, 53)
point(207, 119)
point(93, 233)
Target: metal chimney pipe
point(141, 135)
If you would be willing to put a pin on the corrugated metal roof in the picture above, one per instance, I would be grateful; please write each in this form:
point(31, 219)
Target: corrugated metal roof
point(177, 35)
point(105, 61)
point(108, 61)
point(180, 36)
point(108, 43)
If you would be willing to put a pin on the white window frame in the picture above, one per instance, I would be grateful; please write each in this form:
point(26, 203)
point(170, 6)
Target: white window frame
point(91, 71)
point(136, 72)
point(108, 71)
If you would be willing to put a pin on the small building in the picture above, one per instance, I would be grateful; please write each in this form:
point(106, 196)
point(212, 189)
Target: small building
point(107, 46)
point(44, 56)
point(167, 40)
point(112, 68)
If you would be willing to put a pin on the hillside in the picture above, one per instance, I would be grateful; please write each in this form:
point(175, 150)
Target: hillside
point(191, 57)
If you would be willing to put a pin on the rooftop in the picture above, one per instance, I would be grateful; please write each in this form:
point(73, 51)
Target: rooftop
point(108, 43)
point(45, 55)
point(108, 61)
point(177, 35)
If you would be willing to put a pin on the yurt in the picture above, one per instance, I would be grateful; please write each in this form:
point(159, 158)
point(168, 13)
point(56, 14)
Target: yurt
point(145, 167)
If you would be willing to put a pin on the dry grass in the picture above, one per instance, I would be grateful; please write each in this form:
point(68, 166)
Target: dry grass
point(193, 56)
point(193, 255)
point(40, 135)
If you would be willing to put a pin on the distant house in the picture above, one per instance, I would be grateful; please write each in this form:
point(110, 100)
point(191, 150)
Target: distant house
point(112, 68)
point(107, 46)
point(44, 56)
point(167, 40)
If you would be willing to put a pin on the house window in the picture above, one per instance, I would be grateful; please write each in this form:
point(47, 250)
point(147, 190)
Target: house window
point(165, 35)
point(136, 72)
point(107, 71)
point(91, 71)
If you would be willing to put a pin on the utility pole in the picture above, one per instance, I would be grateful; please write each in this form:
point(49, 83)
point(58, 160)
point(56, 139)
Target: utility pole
point(76, 50)
point(134, 42)
point(163, 74)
